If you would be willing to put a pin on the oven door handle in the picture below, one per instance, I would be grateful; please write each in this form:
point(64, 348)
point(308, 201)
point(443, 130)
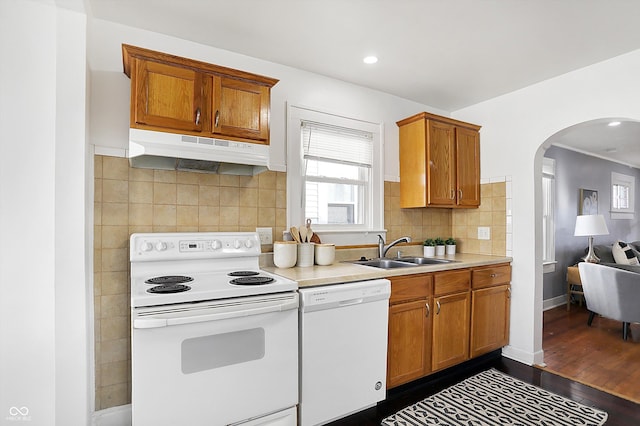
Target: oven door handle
point(158, 322)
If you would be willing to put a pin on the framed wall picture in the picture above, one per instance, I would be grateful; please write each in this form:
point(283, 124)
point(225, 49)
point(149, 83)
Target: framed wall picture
point(588, 202)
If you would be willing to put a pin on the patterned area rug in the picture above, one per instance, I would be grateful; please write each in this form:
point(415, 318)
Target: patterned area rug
point(494, 398)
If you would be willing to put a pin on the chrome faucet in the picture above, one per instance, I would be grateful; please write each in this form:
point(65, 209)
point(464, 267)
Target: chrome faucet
point(383, 249)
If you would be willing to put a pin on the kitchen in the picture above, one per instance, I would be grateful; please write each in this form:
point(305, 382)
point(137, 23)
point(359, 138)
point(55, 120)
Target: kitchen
point(55, 348)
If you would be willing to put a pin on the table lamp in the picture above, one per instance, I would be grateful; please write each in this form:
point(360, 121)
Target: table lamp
point(589, 225)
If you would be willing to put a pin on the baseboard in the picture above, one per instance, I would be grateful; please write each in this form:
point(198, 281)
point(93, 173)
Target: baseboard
point(554, 302)
point(529, 358)
point(114, 416)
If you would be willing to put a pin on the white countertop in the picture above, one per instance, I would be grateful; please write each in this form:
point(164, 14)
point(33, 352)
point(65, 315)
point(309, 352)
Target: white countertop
point(341, 272)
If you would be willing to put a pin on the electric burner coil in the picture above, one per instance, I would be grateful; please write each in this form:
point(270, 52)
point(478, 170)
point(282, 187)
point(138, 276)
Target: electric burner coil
point(252, 280)
point(243, 273)
point(169, 279)
point(168, 288)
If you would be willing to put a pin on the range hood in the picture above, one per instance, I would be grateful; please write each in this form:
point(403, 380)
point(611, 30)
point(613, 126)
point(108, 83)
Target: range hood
point(169, 151)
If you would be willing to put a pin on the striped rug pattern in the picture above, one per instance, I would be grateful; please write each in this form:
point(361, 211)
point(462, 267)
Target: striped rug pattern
point(494, 398)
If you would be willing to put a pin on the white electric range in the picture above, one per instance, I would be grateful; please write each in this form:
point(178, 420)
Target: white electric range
point(214, 338)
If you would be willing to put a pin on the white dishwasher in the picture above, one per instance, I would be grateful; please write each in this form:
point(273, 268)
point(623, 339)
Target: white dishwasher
point(343, 349)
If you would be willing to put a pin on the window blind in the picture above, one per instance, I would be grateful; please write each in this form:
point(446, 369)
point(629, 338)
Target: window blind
point(337, 144)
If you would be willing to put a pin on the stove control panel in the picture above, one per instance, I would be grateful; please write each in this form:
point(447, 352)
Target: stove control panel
point(193, 245)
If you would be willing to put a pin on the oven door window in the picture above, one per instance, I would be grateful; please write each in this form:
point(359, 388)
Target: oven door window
point(221, 350)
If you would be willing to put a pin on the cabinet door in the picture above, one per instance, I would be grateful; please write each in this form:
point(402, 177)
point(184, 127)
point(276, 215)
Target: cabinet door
point(413, 164)
point(167, 96)
point(450, 330)
point(490, 309)
point(441, 179)
point(468, 167)
point(409, 351)
point(240, 109)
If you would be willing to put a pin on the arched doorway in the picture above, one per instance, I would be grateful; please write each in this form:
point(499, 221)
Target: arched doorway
point(586, 154)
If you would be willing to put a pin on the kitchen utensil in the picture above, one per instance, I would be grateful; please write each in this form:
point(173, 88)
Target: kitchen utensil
point(303, 235)
point(312, 236)
point(295, 234)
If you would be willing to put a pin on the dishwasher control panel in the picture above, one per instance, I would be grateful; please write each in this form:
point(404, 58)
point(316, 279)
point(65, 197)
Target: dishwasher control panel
point(345, 294)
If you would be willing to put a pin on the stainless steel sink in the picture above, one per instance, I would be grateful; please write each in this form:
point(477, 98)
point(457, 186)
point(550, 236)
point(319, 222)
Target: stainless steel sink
point(403, 262)
point(385, 263)
point(425, 260)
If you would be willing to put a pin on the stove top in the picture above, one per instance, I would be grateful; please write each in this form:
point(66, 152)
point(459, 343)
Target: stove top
point(169, 268)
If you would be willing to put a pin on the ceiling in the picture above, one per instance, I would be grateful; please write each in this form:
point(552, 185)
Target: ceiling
point(445, 54)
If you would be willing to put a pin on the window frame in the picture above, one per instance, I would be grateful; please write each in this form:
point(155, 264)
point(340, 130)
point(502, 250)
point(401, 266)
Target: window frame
point(548, 225)
point(630, 182)
point(334, 233)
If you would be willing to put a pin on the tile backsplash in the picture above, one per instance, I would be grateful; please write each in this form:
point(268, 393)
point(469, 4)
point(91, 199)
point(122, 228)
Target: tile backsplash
point(461, 224)
point(129, 200)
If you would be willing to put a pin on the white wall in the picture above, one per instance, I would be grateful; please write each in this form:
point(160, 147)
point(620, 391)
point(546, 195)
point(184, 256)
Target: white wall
point(43, 324)
point(514, 127)
point(27, 207)
point(110, 91)
point(73, 223)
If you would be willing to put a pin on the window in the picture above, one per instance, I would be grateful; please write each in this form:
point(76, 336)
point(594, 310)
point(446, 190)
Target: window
point(623, 189)
point(548, 214)
point(334, 174)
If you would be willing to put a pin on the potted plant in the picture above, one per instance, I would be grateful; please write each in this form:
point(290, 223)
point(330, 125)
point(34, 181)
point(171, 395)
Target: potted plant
point(450, 243)
point(429, 249)
point(439, 246)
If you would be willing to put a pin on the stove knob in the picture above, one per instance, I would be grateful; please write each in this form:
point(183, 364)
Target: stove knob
point(146, 246)
point(248, 243)
point(237, 244)
point(160, 246)
point(216, 244)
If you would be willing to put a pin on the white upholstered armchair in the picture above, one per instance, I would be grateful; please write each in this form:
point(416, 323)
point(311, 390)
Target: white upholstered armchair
point(611, 292)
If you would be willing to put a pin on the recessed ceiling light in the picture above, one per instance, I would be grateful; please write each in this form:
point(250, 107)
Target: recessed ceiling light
point(614, 123)
point(370, 59)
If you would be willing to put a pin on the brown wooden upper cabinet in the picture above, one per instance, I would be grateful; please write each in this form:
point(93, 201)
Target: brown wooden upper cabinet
point(179, 95)
point(439, 162)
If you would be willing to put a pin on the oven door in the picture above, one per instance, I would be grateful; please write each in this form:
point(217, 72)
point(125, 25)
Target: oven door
point(214, 363)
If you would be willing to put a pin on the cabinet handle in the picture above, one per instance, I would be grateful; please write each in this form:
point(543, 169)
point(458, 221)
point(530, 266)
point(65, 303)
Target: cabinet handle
point(453, 194)
point(217, 118)
point(428, 309)
point(197, 116)
point(438, 306)
point(459, 194)
point(493, 275)
point(508, 292)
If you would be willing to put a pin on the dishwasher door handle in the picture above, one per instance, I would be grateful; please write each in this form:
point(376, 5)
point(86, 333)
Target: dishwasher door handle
point(351, 302)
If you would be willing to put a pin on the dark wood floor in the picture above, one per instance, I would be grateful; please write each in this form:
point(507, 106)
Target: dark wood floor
point(622, 412)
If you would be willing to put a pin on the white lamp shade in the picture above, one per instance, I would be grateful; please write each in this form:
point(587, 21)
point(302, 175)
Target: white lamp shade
point(590, 224)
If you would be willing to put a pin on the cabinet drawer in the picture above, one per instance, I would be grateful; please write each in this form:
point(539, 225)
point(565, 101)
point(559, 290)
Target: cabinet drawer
point(410, 287)
point(487, 277)
point(451, 282)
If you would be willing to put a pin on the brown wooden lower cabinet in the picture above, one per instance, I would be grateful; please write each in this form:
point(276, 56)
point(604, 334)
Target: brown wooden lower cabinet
point(409, 345)
point(409, 353)
point(490, 309)
point(441, 319)
point(450, 330)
